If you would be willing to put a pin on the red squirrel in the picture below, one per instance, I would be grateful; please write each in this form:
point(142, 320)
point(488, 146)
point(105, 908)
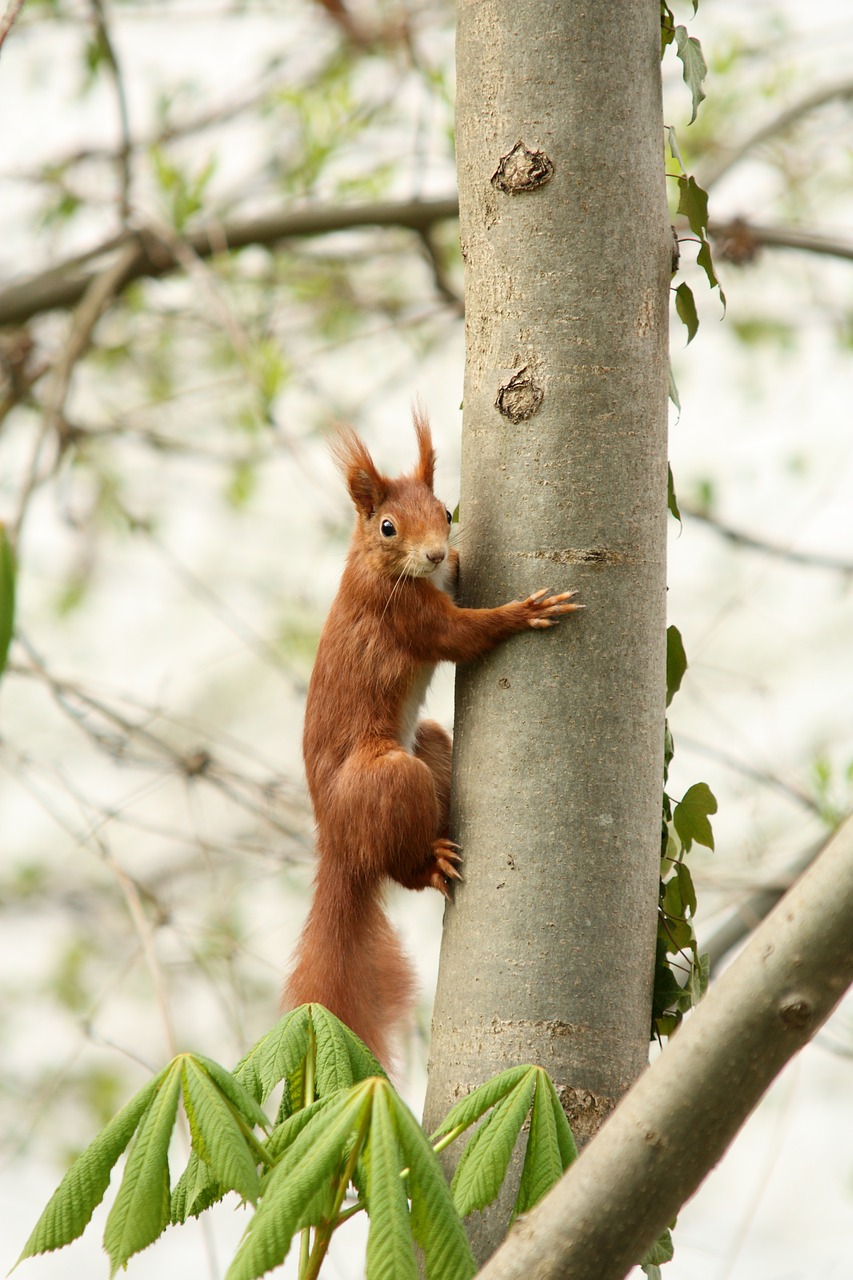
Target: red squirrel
point(379, 779)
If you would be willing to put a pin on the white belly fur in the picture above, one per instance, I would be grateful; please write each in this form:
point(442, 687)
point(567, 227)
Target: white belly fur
point(411, 707)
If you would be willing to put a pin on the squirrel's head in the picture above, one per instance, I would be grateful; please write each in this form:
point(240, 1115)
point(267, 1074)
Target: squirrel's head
point(401, 526)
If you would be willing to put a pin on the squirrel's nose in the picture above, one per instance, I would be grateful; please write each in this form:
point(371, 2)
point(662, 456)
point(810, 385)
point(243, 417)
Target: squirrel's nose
point(436, 556)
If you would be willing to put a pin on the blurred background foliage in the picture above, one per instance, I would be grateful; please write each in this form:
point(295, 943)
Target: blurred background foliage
point(226, 226)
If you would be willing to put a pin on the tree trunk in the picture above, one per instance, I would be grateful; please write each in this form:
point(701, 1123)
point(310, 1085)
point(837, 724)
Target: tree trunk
point(549, 945)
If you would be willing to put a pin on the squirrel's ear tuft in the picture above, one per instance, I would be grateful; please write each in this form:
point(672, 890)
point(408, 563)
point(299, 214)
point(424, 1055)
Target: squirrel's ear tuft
point(368, 488)
point(425, 469)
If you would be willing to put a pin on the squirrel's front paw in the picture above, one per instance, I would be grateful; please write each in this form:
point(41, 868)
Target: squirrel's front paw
point(543, 608)
point(444, 866)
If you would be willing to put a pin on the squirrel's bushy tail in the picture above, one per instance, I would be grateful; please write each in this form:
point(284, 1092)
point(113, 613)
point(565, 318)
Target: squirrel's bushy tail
point(349, 959)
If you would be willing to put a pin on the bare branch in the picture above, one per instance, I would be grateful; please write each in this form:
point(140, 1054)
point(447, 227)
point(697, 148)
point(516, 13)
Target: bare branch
point(738, 241)
point(748, 914)
point(764, 777)
point(814, 559)
point(675, 1123)
point(100, 290)
point(8, 20)
point(773, 128)
point(124, 153)
point(64, 285)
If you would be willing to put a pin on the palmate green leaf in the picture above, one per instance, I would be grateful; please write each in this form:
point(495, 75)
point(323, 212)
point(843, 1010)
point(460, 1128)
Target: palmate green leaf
point(7, 596)
point(141, 1211)
point(435, 1224)
point(685, 305)
point(199, 1186)
point(342, 1058)
point(694, 66)
point(82, 1189)
point(284, 1134)
point(484, 1161)
point(479, 1100)
point(276, 1055)
point(390, 1250)
point(241, 1100)
point(300, 1178)
point(195, 1190)
point(216, 1134)
point(676, 662)
point(690, 816)
point(543, 1163)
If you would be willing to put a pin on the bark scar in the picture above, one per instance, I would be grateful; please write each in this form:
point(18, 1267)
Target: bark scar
point(520, 397)
point(595, 556)
point(522, 170)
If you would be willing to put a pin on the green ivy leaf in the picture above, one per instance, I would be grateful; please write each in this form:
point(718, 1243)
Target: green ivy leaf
point(435, 1224)
point(141, 1210)
point(675, 150)
point(676, 662)
point(667, 26)
point(693, 204)
point(690, 816)
point(70, 1208)
point(706, 262)
point(685, 305)
point(673, 390)
point(661, 1251)
point(686, 887)
point(694, 66)
point(485, 1160)
point(7, 596)
point(671, 500)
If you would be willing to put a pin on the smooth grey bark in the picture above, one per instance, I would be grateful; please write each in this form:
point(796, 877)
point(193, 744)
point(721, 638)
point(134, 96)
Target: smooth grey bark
point(675, 1124)
point(549, 945)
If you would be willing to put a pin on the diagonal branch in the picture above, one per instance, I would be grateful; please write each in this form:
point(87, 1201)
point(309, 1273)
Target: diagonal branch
point(677, 1121)
point(123, 157)
point(738, 241)
point(13, 8)
point(64, 285)
point(773, 128)
point(814, 559)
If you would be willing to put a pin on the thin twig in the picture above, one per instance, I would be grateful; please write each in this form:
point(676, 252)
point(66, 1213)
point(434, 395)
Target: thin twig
point(100, 291)
point(64, 285)
point(762, 776)
point(8, 20)
point(745, 917)
point(124, 153)
point(814, 559)
point(773, 128)
point(750, 236)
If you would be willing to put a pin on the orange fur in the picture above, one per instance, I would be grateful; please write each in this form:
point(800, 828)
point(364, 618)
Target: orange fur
point(379, 780)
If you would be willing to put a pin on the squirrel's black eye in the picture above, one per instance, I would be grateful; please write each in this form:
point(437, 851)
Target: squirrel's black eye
point(449, 517)
point(387, 529)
